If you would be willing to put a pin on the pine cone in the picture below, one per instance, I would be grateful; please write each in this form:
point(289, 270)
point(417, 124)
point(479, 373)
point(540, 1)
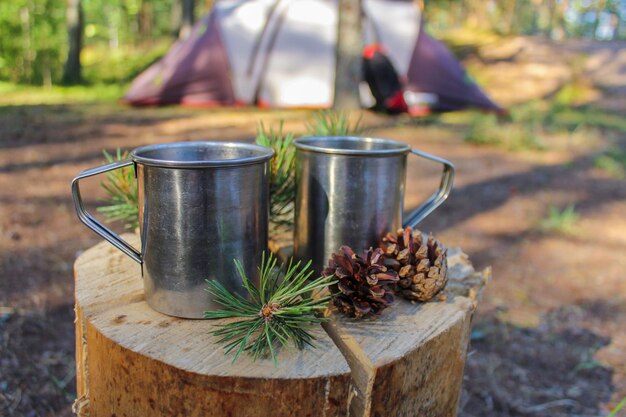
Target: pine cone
point(363, 286)
point(422, 266)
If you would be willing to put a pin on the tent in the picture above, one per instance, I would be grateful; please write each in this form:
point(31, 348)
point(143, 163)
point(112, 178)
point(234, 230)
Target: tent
point(281, 53)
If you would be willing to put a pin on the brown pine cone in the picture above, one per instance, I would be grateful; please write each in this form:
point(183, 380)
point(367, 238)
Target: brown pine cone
point(363, 287)
point(422, 266)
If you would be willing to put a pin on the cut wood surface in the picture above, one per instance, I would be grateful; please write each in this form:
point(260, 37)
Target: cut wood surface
point(410, 360)
point(133, 361)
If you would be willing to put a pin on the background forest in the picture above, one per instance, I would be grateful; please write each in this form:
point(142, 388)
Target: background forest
point(40, 40)
point(540, 194)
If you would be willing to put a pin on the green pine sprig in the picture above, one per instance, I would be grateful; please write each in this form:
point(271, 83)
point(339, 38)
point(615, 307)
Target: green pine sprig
point(334, 123)
point(121, 188)
point(282, 173)
point(282, 309)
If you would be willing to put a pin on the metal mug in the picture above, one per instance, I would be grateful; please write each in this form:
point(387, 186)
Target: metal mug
point(201, 205)
point(350, 191)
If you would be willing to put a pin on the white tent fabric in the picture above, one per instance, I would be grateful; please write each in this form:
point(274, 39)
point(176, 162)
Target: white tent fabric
point(285, 49)
point(396, 26)
point(282, 53)
point(241, 24)
point(302, 58)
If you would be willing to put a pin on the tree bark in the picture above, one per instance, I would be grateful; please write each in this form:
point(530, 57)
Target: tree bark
point(145, 18)
point(600, 5)
point(133, 361)
point(349, 47)
point(188, 18)
point(74, 18)
point(558, 20)
point(510, 17)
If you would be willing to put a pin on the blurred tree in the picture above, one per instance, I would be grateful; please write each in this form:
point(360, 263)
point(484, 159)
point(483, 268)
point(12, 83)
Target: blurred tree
point(31, 33)
point(145, 20)
point(599, 7)
point(188, 18)
point(349, 47)
point(75, 23)
point(41, 40)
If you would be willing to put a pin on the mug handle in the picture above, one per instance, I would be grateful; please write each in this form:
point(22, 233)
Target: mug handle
point(90, 221)
point(435, 200)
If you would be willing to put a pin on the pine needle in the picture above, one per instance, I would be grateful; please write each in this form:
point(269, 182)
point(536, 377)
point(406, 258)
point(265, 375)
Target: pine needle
point(121, 188)
point(282, 178)
point(282, 175)
point(282, 309)
point(334, 123)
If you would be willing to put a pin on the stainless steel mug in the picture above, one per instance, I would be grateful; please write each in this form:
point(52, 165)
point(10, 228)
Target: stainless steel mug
point(201, 205)
point(350, 191)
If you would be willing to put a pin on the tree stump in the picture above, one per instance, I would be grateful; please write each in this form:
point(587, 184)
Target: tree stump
point(135, 362)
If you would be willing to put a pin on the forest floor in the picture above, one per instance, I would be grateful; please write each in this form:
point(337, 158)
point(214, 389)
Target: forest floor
point(549, 337)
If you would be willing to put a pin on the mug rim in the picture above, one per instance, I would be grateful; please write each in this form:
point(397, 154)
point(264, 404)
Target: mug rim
point(394, 147)
point(262, 154)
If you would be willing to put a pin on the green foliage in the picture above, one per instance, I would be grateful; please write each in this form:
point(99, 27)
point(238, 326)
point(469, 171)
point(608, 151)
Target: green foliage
point(282, 309)
point(557, 19)
point(617, 408)
point(14, 94)
point(32, 40)
point(612, 162)
point(483, 130)
point(572, 118)
point(101, 65)
point(486, 129)
point(560, 221)
point(116, 23)
point(533, 113)
point(571, 93)
point(282, 177)
point(587, 364)
point(282, 182)
point(334, 123)
point(121, 188)
point(122, 37)
point(529, 122)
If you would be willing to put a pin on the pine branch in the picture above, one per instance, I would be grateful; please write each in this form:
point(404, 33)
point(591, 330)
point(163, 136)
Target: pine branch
point(334, 123)
point(282, 309)
point(282, 177)
point(121, 188)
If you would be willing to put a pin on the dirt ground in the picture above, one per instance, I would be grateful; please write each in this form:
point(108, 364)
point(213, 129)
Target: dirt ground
point(549, 338)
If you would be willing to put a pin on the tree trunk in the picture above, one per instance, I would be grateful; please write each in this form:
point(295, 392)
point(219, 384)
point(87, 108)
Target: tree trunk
point(112, 26)
point(188, 18)
point(477, 16)
point(27, 58)
point(145, 17)
point(534, 19)
point(558, 20)
point(511, 7)
point(133, 361)
point(74, 16)
point(600, 4)
point(349, 47)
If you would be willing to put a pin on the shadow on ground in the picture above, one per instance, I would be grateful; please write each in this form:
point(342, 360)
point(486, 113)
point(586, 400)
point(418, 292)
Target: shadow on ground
point(37, 351)
point(546, 371)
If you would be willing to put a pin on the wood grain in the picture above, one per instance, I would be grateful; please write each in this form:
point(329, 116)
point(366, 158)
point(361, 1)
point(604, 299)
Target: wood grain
point(133, 361)
point(410, 360)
